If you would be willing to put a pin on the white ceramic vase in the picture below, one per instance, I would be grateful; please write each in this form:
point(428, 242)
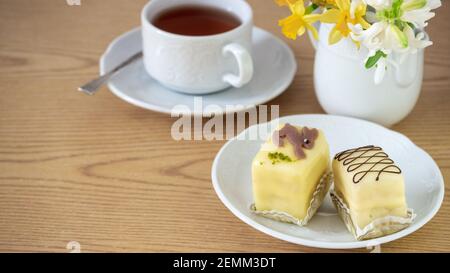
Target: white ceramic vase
point(345, 87)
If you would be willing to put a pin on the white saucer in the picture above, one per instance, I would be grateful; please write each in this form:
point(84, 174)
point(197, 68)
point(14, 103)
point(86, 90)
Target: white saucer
point(231, 176)
point(274, 63)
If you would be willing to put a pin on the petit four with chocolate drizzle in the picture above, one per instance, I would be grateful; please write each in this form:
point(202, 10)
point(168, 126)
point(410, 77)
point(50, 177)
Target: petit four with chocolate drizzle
point(372, 156)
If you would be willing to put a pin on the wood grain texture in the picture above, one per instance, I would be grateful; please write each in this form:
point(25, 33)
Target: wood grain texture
point(108, 175)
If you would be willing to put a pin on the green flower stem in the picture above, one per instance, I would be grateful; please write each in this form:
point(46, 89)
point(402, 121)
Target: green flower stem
point(311, 8)
point(412, 5)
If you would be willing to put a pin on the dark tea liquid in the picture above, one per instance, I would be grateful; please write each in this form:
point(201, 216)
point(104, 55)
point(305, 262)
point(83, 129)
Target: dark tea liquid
point(196, 21)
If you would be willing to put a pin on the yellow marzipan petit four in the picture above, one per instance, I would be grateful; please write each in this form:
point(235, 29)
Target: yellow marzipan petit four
point(369, 192)
point(291, 174)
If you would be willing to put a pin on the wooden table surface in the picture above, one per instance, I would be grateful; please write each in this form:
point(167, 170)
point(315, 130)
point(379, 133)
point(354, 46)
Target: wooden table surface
point(108, 175)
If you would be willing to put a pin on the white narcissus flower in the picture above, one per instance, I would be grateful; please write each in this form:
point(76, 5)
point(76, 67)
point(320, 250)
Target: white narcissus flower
point(395, 39)
point(418, 17)
point(380, 36)
point(388, 38)
point(416, 41)
point(372, 38)
point(418, 12)
point(395, 33)
point(418, 4)
point(434, 4)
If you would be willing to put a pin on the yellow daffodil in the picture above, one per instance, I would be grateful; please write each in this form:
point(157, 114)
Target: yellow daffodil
point(343, 15)
point(297, 23)
point(323, 3)
point(285, 2)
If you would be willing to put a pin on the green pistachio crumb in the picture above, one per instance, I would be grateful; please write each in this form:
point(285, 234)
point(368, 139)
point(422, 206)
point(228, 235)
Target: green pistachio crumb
point(277, 157)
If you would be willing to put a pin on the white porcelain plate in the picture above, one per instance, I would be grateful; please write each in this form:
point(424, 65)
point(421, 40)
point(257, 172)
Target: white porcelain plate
point(274, 63)
point(231, 176)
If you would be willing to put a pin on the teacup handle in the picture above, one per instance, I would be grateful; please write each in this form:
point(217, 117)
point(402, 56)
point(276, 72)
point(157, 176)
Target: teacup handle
point(245, 64)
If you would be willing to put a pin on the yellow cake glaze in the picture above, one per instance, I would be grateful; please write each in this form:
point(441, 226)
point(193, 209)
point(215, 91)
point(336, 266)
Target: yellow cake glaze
point(370, 184)
point(288, 185)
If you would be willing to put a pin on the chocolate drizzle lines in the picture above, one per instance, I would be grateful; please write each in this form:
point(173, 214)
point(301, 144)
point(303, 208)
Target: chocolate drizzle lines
point(372, 156)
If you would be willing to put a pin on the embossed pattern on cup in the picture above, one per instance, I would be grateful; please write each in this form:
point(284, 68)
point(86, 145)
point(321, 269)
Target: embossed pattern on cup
point(197, 64)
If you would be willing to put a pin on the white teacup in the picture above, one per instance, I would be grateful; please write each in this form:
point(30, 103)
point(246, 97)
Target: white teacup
point(198, 64)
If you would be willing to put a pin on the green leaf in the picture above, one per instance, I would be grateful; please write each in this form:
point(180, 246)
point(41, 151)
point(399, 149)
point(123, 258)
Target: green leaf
point(372, 61)
point(310, 9)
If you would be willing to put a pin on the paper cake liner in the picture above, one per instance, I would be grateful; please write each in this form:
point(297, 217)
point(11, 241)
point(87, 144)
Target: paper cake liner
point(319, 194)
point(378, 228)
